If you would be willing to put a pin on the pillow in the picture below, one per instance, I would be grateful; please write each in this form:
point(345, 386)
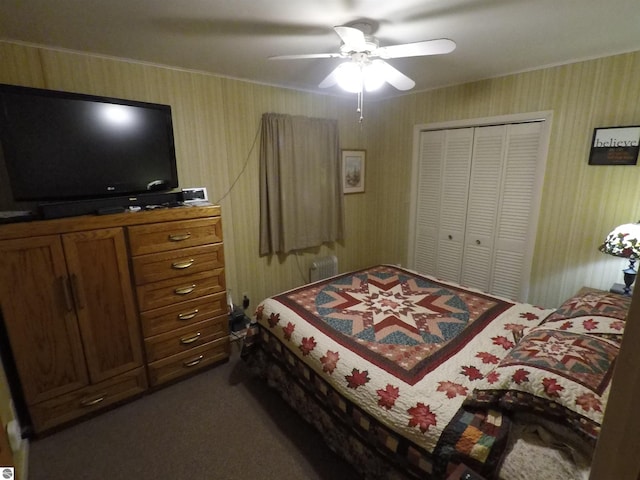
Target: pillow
point(560, 374)
point(592, 302)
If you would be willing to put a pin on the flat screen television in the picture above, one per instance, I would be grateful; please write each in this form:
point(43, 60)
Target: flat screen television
point(60, 146)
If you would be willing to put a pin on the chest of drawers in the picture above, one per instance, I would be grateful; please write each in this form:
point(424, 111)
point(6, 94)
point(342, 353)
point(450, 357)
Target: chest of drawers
point(178, 269)
point(100, 307)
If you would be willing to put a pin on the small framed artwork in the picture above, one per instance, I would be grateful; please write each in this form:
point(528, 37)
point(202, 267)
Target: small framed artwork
point(615, 146)
point(353, 163)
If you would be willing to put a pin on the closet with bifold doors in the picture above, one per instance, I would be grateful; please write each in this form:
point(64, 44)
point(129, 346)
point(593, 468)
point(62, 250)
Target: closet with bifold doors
point(477, 196)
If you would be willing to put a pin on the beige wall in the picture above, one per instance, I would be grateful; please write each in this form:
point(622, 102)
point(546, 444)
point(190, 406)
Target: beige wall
point(581, 203)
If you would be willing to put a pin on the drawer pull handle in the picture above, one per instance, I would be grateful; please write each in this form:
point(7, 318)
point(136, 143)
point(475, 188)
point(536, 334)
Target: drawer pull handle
point(183, 264)
point(194, 362)
point(89, 402)
point(191, 339)
point(185, 290)
point(179, 237)
point(187, 316)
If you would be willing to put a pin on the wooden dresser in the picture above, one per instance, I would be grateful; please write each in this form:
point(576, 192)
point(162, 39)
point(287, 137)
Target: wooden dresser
point(99, 308)
point(179, 273)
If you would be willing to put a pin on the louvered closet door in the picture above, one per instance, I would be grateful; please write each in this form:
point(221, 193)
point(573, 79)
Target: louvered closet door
point(442, 206)
point(517, 203)
point(453, 206)
point(476, 205)
point(431, 160)
point(483, 206)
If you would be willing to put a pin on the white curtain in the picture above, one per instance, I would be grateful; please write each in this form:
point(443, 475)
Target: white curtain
point(301, 203)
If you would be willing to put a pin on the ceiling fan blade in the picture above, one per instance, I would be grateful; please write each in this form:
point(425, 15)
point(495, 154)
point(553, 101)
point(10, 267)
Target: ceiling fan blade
point(395, 77)
point(330, 80)
point(306, 55)
point(417, 49)
point(352, 38)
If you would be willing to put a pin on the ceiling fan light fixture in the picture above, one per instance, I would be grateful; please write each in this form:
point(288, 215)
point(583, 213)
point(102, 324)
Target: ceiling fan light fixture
point(349, 77)
point(374, 75)
point(356, 76)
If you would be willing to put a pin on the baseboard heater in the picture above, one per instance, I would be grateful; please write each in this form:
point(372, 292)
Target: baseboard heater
point(323, 267)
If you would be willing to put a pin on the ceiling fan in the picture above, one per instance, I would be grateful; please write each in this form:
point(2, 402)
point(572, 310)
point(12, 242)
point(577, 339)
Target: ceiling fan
point(367, 68)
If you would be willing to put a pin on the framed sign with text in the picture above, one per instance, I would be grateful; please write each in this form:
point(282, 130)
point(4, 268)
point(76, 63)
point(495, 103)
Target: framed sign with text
point(615, 146)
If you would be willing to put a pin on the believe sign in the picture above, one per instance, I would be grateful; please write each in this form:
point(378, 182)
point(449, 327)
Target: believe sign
point(615, 146)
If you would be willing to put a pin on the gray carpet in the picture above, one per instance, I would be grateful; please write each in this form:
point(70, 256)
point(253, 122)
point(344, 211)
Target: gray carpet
point(219, 425)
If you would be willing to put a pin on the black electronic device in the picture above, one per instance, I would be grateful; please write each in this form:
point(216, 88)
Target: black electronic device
point(238, 320)
point(105, 205)
point(61, 146)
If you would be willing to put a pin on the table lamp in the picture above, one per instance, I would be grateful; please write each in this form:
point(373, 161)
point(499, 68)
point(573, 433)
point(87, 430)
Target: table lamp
point(624, 241)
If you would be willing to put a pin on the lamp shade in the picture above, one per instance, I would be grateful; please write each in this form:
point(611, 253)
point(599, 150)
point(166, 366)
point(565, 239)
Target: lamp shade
point(623, 241)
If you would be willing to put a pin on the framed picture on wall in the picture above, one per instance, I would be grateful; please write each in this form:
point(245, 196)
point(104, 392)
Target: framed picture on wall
point(353, 163)
point(615, 146)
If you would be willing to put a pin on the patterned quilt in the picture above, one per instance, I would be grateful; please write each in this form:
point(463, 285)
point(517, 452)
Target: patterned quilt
point(398, 352)
point(562, 369)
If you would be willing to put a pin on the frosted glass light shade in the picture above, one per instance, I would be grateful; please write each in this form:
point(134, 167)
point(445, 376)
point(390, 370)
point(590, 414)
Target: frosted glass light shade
point(349, 77)
point(374, 76)
point(354, 77)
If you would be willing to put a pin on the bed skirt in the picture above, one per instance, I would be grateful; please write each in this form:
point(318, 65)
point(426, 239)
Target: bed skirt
point(373, 449)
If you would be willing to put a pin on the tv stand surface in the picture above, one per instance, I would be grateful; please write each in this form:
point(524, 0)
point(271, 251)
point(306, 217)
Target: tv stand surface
point(92, 221)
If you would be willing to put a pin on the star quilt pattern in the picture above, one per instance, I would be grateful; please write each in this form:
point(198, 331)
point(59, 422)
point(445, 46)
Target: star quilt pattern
point(402, 323)
point(562, 369)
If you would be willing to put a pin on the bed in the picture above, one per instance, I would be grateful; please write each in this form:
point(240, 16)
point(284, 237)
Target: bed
point(410, 377)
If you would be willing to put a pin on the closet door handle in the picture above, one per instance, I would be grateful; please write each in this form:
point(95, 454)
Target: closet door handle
point(450, 237)
point(478, 242)
point(66, 292)
point(188, 315)
point(191, 339)
point(185, 290)
point(194, 362)
point(183, 264)
point(77, 291)
point(179, 237)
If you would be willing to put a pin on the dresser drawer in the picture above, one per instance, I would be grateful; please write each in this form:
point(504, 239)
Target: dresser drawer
point(176, 263)
point(162, 237)
point(169, 292)
point(186, 338)
point(168, 318)
point(189, 362)
point(76, 404)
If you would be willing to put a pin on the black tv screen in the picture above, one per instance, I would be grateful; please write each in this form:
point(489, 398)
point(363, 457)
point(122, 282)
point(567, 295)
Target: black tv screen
point(60, 145)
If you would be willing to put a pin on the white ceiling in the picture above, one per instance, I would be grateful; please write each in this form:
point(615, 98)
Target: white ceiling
point(234, 38)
